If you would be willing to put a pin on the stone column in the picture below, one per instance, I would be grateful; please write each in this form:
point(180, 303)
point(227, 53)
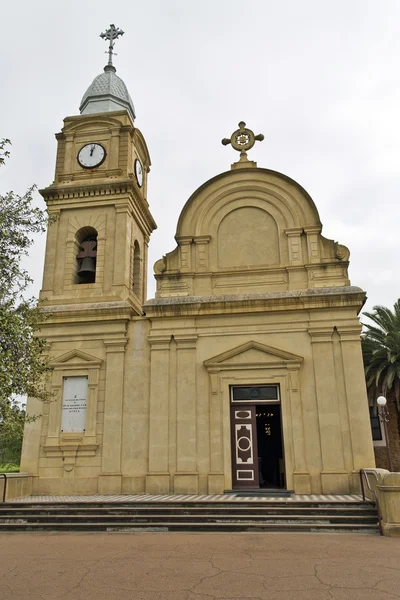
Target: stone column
point(357, 403)
point(110, 479)
point(158, 478)
point(186, 478)
point(334, 477)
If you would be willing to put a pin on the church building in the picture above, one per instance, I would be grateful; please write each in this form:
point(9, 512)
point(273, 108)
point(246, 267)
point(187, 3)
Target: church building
point(244, 372)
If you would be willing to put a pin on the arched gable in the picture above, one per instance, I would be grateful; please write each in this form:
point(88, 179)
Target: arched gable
point(249, 229)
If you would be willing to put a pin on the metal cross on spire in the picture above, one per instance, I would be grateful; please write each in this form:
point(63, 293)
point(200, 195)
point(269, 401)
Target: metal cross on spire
point(111, 34)
point(243, 139)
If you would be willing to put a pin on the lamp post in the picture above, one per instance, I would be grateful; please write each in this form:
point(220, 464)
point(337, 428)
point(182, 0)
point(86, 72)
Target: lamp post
point(383, 415)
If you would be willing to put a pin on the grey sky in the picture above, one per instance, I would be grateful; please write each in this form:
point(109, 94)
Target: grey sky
point(318, 78)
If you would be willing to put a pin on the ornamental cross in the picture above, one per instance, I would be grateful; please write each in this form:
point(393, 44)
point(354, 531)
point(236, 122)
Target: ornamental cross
point(243, 139)
point(111, 34)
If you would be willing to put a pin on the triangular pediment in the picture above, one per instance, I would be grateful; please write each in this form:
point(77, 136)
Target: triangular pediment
point(76, 357)
point(252, 353)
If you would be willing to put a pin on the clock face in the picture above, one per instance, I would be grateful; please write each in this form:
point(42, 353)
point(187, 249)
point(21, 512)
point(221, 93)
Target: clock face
point(139, 172)
point(91, 156)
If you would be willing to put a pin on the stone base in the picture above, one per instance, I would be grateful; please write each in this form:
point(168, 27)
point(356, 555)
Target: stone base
point(301, 483)
point(158, 483)
point(133, 485)
point(391, 529)
point(335, 482)
point(59, 486)
point(186, 483)
point(216, 483)
point(110, 483)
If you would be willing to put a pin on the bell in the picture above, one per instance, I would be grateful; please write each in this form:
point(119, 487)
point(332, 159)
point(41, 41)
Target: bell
point(87, 270)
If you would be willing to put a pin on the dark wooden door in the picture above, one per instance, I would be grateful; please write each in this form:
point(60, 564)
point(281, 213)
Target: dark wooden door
point(244, 447)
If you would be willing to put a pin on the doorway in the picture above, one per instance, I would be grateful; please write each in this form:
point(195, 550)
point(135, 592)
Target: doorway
point(257, 441)
point(271, 472)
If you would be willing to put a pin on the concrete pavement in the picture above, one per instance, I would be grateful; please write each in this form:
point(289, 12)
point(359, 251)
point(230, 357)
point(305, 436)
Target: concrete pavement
point(180, 566)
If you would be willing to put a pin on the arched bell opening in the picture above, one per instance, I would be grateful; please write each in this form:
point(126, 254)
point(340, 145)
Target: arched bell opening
point(87, 255)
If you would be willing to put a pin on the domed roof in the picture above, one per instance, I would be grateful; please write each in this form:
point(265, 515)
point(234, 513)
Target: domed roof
point(106, 93)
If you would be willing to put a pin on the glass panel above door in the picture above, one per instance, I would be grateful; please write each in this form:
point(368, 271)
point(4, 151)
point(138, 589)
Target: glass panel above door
point(259, 393)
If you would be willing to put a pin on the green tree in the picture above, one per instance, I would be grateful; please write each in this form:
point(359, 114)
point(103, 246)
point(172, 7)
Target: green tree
point(23, 367)
point(381, 352)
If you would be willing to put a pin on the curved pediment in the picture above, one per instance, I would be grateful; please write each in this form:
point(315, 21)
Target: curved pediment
point(250, 230)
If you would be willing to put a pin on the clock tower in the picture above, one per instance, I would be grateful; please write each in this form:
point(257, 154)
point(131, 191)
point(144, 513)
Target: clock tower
point(97, 245)
point(94, 287)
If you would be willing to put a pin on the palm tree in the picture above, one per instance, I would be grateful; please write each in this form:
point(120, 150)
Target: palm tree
point(381, 352)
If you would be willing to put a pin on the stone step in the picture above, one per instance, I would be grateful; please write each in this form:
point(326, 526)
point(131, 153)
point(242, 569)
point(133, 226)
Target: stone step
point(192, 526)
point(192, 504)
point(216, 509)
point(149, 517)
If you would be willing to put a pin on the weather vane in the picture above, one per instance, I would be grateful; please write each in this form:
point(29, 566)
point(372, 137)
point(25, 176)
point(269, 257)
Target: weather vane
point(111, 34)
point(242, 140)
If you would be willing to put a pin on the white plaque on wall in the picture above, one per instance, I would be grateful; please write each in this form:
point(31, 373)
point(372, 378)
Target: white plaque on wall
point(74, 404)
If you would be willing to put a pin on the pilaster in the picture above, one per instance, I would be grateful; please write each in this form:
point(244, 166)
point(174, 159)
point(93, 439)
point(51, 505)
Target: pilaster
point(294, 242)
point(110, 479)
point(158, 479)
point(185, 262)
point(202, 259)
point(186, 477)
point(334, 477)
point(301, 476)
point(314, 251)
point(356, 393)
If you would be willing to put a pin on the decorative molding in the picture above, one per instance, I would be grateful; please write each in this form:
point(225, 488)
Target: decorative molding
point(223, 361)
point(85, 360)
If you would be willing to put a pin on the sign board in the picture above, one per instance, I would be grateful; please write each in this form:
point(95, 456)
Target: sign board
point(74, 404)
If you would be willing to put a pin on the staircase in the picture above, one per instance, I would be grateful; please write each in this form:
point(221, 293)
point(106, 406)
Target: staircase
point(239, 516)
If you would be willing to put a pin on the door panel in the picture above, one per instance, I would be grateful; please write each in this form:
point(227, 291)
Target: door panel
point(244, 447)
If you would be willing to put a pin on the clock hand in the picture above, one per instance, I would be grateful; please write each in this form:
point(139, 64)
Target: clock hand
point(92, 147)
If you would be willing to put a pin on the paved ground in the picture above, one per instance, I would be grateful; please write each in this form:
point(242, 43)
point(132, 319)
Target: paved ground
point(179, 566)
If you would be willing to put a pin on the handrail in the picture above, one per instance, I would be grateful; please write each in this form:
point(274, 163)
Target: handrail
point(365, 473)
point(5, 486)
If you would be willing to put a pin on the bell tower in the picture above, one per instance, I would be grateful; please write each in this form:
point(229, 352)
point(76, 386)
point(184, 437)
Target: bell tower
point(97, 244)
point(94, 288)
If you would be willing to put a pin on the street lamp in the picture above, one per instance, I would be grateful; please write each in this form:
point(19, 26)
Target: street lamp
point(383, 415)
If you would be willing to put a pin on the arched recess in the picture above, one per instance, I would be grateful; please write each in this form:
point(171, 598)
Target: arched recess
point(137, 269)
point(247, 237)
point(80, 226)
point(86, 258)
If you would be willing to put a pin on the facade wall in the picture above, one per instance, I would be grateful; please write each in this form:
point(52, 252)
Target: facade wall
point(253, 294)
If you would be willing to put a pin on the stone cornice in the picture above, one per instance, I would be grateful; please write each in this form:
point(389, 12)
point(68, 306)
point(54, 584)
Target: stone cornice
point(335, 297)
point(89, 311)
point(94, 191)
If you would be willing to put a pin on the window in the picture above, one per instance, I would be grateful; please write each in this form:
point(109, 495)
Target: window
point(255, 393)
point(375, 425)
